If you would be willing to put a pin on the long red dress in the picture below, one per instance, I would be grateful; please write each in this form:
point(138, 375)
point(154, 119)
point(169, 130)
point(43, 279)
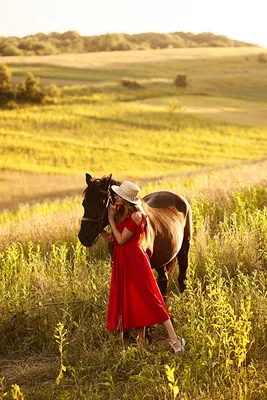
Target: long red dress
point(135, 299)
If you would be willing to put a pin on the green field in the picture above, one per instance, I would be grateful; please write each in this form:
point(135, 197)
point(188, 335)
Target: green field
point(209, 143)
point(102, 127)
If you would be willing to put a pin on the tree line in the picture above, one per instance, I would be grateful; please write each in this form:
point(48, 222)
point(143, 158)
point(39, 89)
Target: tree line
point(72, 42)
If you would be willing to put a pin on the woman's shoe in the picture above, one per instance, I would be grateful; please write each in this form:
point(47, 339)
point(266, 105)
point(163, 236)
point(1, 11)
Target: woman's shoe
point(179, 345)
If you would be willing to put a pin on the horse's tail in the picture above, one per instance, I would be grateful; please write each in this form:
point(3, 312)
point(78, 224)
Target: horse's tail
point(188, 227)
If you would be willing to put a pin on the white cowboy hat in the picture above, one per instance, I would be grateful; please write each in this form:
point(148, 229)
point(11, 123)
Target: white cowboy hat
point(128, 191)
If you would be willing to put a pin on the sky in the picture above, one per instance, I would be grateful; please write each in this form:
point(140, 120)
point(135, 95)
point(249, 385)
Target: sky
point(237, 19)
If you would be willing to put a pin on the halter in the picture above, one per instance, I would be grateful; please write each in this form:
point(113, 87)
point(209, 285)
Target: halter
point(100, 220)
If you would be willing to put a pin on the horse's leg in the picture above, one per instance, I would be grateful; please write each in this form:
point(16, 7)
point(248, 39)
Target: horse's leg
point(182, 258)
point(163, 278)
point(162, 281)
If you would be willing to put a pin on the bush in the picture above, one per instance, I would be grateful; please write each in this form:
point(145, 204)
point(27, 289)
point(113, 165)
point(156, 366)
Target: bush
point(29, 91)
point(130, 83)
point(5, 74)
point(262, 58)
point(181, 80)
point(26, 92)
point(51, 94)
point(6, 91)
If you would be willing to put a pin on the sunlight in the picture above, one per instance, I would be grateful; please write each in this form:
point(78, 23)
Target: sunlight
point(237, 20)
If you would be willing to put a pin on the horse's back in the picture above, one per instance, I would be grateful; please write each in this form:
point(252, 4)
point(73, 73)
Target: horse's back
point(168, 214)
point(164, 198)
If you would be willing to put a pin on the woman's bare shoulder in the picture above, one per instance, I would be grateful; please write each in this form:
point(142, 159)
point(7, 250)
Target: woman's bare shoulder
point(137, 217)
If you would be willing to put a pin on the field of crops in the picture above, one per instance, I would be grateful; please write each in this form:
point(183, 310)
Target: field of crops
point(207, 142)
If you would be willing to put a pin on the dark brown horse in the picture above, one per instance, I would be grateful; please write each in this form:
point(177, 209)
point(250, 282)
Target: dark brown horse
point(170, 217)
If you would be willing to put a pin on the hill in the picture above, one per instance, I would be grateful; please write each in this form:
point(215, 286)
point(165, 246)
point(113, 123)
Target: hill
point(72, 42)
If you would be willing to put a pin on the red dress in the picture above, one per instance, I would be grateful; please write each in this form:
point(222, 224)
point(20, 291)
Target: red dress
point(135, 299)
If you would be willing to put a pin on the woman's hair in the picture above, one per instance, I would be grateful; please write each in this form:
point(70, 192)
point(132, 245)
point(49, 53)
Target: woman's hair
point(145, 238)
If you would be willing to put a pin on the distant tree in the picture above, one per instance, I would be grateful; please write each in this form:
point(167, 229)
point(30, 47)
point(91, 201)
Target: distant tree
point(181, 80)
point(6, 91)
point(70, 35)
point(107, 42)
point(41, 36)
point(5, 75)
point(26, 92)
point(43, 48)
point(262, 58)
point(122, 46)
point(10, 49)
point(29, 91)
point(72, 42)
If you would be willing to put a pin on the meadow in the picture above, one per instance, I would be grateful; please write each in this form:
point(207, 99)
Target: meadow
point(208, 142)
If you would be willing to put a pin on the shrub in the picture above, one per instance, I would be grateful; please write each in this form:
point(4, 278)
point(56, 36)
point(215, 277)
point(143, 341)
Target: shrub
point(26, 92)
point(262, 58)
point(6, 91)
point(131, 83)
point(51, 94)
point(5, 74)
point(181, 80)
point(29, 91)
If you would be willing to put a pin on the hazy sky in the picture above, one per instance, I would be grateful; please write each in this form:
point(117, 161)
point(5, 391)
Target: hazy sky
point(237, 19)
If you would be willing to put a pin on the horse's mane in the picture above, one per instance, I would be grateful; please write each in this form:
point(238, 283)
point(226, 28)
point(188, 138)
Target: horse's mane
point(95, 184)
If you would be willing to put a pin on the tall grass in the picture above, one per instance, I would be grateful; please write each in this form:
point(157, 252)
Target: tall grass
point(53, 292)
point(222, 314)
point(121, 138)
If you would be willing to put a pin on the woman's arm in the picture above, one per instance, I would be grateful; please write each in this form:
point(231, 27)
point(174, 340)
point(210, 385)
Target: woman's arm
point(125, 235)
point(121, 237)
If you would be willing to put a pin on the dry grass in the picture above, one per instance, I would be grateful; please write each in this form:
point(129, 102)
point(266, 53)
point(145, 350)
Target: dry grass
point(237, 111)
point(117, 59)
point(214, 184)
point(19, 187)
point(39, 229)
point(58, 220)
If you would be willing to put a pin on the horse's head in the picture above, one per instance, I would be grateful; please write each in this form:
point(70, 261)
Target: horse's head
point(95, 203)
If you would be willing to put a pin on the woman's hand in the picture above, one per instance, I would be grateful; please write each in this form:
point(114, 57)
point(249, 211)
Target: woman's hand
point(107, 236)
point(111, 213)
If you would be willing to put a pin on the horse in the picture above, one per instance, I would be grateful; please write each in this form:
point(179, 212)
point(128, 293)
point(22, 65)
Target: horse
point(170, 217)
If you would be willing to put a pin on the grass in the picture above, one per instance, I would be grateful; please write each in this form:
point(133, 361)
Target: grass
point(105, 128)
point(222, 314)
point(121, 138)
point(207, 142)
point(208, 70)
point(117, 58)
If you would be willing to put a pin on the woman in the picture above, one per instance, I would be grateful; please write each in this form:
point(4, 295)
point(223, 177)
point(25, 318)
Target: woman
point(135, 300)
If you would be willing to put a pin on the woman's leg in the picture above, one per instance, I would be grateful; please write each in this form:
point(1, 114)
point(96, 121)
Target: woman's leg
point(177, 342)
point(141, 332)
point(170, 330)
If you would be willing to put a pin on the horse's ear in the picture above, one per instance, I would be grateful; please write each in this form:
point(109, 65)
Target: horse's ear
point(109, 180)
point(88, 178)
